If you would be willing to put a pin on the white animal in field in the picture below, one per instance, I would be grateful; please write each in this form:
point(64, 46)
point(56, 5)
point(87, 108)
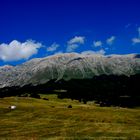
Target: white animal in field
point(12, 107)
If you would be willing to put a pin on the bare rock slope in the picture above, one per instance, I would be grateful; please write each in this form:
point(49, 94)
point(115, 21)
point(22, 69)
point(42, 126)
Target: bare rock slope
point(68, 66)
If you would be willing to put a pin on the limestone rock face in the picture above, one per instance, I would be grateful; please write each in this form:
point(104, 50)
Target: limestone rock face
point(68, 66)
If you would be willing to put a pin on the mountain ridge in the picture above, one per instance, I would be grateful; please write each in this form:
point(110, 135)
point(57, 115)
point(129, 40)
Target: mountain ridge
point(68, 66)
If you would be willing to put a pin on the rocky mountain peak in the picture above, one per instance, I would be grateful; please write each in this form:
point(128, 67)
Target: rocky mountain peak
point(68, 66)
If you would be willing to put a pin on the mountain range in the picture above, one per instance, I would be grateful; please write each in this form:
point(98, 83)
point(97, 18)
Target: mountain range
point(68, 66)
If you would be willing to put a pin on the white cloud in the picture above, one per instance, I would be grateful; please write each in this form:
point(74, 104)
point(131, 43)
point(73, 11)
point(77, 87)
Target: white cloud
point(72, 47)
point(97, 43)
point(90, 52)
point(136, 41)
point(110, 40)
point(16, 50)
point(139, 31)
point(77, 39)
point(74, 43)
point(59, 52)
point(53, 47)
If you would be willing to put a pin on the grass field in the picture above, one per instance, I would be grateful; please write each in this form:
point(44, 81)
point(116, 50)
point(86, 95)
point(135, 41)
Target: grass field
point(38, 119)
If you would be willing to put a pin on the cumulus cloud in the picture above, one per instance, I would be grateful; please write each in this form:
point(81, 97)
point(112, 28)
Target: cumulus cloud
point(110, 40)
point(97, 43)
point(72, 47)
point(136, 41)
point(53, 47)
point(59, 52)
point(16, 50)
point(77, 39)
point(74, 43)
point(90, 52)
point(139, 31)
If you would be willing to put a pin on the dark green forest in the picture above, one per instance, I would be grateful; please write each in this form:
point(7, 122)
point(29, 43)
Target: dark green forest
point(106, 90)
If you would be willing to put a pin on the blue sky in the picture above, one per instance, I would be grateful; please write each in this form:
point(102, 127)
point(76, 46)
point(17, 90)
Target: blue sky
point(38, 28)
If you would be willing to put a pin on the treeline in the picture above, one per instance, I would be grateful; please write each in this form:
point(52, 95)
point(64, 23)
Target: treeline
point(107, 90)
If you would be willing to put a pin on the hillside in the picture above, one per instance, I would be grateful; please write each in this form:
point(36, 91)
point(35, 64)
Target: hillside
point(40, 119)
point(68, 66)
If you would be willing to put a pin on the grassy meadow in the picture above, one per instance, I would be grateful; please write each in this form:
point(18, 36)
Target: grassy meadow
point(38, 119)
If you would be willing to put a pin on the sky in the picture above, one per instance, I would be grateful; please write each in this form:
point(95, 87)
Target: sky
point(39, 28)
